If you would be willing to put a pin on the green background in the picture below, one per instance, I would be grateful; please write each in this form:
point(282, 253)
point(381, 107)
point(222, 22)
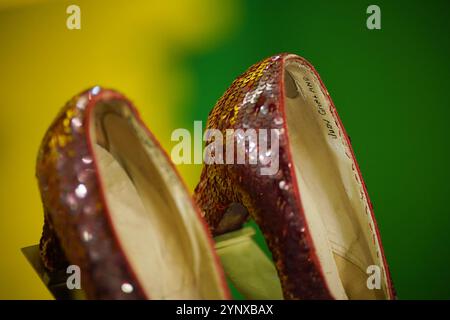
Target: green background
point(391, 89)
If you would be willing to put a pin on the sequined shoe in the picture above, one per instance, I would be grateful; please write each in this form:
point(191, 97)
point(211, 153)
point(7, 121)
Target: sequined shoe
point(313, 210)
point(116, 207)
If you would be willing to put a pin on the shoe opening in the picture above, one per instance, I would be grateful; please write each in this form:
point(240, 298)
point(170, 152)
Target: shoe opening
point(335, 206)
point(151, 213)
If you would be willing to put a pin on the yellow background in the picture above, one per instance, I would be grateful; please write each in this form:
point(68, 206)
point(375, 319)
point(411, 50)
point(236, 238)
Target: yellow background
point(127, 45)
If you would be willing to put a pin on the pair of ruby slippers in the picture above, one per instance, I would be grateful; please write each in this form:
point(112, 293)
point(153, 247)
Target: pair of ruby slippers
point(116, 207)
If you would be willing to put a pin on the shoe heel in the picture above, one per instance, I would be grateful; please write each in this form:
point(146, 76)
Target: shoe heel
point(52, 254)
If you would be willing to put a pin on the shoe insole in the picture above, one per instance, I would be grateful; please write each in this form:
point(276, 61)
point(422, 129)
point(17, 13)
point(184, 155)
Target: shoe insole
point(330, 192)
point(152, 215)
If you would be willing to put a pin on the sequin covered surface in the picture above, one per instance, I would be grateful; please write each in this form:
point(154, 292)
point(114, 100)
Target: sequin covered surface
point(255, 100)
point(78, 229)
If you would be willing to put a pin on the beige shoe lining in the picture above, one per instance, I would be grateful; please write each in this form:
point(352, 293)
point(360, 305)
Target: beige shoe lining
point(332, 196)
point(151, 212)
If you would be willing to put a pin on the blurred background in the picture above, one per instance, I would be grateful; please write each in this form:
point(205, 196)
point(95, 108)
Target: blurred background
point(174, 59)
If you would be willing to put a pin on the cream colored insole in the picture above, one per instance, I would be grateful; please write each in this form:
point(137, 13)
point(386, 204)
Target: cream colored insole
point(161, 261)
point(329, 192)
point(154, 221)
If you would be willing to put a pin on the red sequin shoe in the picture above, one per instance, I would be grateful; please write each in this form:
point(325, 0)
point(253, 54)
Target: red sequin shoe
point(304, 190)
point(115, 206)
